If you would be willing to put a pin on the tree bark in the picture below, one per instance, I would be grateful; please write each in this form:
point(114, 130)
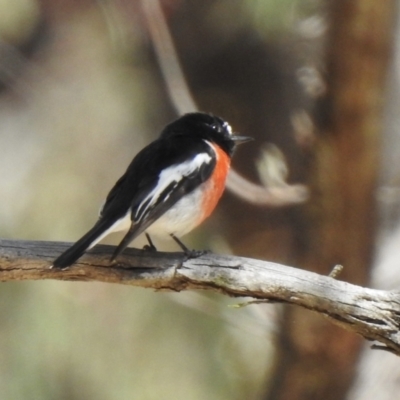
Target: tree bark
point(374, 314)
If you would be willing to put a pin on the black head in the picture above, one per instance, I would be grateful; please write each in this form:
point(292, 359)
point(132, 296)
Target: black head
point(205, 126)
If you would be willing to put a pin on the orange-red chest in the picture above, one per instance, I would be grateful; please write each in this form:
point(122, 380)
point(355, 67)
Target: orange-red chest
point(216, 183)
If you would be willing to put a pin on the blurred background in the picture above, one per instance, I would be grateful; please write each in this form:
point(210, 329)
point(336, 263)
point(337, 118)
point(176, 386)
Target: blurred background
point(83, 87)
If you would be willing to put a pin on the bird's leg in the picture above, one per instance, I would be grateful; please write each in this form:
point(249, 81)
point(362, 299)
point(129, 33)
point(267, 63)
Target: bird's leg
point(180, 244)
point(150, 246)
point(188, 253)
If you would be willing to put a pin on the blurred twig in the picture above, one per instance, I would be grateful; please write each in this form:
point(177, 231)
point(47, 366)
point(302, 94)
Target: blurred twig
point(174, 78)
point(268, 196)
point(183, 102)
point(374, 314)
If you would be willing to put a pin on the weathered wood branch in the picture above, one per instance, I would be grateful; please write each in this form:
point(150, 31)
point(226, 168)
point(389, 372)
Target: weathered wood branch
point(374, 314)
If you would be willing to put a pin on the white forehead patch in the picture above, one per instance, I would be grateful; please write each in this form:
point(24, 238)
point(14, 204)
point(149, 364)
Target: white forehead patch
point(227, 127)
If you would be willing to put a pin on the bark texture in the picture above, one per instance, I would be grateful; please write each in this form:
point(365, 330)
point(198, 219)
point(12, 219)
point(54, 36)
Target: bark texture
point(374, 314)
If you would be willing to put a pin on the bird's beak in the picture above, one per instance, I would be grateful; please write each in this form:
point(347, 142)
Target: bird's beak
point(241, 139)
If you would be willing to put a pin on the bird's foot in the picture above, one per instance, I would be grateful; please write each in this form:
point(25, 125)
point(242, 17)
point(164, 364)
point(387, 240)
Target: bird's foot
point(196, 253)
point(188, 252)
point(150, 246)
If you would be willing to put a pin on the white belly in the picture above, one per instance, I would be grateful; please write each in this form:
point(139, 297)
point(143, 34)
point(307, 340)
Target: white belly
point(181, 218)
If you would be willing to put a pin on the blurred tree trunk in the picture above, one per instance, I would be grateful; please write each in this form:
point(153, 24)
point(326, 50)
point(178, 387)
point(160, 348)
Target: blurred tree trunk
point(316, 360)
point(251, 84)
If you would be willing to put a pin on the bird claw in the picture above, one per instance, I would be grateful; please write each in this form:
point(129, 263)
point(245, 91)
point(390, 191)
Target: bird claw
point(150, 248)
point(189, 253)
point(195, 253)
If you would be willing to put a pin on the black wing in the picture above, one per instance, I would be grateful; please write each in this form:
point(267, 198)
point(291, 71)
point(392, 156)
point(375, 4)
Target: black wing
point(130, 192)
point(186, 163)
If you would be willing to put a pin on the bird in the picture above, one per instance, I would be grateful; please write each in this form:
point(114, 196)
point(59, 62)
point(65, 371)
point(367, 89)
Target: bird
point(170, 187)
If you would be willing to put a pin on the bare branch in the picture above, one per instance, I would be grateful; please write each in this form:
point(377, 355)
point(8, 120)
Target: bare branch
point(272, 196)
point(374, 314)
point(174, 78)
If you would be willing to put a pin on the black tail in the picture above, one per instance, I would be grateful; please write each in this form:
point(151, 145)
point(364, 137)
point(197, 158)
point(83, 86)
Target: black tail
point(76, 250)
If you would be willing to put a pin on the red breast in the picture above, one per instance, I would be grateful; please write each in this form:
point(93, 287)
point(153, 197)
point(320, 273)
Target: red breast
point(216, 182)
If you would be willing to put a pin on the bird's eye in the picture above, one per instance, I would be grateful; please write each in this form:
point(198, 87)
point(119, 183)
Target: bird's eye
point(216, 127)
point(222, 127)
